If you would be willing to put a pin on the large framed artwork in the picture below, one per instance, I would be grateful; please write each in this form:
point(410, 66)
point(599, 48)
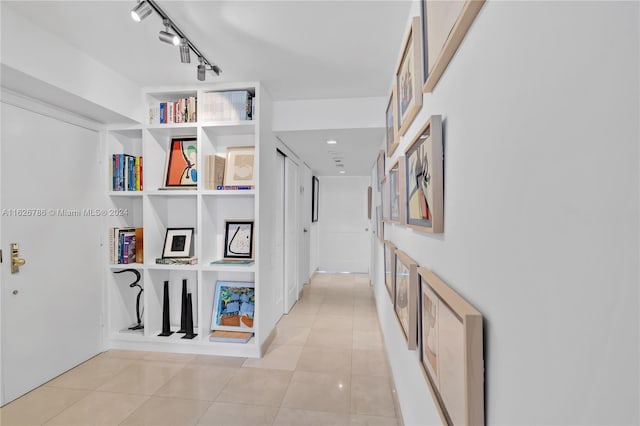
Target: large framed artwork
point(315, 198)
point(409, 78)
point(424, 167)
point(181, 168)
point(238, 170)
point(233, 306)
point(396, 192)
point(444, 25)
point(392, 123)
point(238, 239)
point(389, 268)
point(450, 348)
point(405, 301)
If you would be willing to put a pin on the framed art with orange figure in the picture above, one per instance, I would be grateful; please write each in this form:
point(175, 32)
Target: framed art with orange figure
point(181, 170)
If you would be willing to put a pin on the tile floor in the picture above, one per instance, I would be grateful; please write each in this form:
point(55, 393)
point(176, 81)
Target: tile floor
point(326, 366)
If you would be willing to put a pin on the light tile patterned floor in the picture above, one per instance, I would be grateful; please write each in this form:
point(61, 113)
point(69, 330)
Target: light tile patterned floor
point(327, 366)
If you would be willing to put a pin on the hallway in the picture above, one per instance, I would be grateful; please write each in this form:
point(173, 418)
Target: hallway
point(326, 366)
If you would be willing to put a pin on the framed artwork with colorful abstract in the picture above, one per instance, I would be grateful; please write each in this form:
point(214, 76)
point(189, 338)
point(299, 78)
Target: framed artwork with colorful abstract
point(181, 169)
point(424, 168)
point(233, 306)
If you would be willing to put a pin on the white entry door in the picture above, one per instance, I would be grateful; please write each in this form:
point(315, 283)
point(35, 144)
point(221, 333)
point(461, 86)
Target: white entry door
point(51, 309)
point(291, 234)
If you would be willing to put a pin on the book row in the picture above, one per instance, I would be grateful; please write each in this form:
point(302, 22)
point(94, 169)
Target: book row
point(232, 105)
point(126, 246)
point(126, 173)
point(181, 111)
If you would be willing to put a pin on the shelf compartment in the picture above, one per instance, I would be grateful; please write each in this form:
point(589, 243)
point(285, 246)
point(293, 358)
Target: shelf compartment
point(223, 128)
point(154, 297)
point(122, 303)
point(125, 193)
point(215, 211)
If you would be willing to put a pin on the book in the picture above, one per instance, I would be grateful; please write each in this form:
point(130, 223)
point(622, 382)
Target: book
point(215, 165)
point(233, 187)
point(177, 260)
point(139, 246)
point(232, 262)
point(230, 336)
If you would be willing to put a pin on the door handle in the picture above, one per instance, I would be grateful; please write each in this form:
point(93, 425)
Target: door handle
point(16, 261)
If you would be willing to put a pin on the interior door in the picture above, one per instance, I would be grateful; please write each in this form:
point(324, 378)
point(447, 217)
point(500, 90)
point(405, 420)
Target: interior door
point(51, 308)
point(278, 255)
point(291, 236)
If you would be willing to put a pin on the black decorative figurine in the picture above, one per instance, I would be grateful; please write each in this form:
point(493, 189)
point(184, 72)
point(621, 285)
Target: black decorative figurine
point(189, 326)
point(166, 324)
point(183, 313)
point(139, 325)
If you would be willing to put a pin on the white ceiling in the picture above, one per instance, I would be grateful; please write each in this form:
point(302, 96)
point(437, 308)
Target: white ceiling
point(299, 49)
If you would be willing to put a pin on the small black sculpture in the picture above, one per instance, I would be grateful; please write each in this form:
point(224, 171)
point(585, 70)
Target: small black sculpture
point(183, 313)
point(166, 325)
point(189, 334)
point(139, 312)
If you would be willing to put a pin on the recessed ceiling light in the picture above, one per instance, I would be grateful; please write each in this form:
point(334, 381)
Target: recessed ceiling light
point(342, 172)
point(332, 141)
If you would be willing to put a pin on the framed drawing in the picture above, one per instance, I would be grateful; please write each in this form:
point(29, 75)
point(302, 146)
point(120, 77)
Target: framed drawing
point(384, 195)
point(450, 347)
point(396, 192)
point(405, 301)
point(233, 306)
point(380, 223)
point(181, 170)
point(238, 170)
point(178, 242)
point(444, 25)
point(369, 201)
point(409, 78)
point(380, 168)
point(392, 123)
point(425, 179)
point(238, 239)
point(389, 268)
point(315, 198)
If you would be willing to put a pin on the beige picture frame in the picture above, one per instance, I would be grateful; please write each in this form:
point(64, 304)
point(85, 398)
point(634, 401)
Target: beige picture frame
point(389, 268)
point(405, 302)
point(409, 78)
point(240, 166)
point(449, 325)
point(397, 191)
point(391, 116)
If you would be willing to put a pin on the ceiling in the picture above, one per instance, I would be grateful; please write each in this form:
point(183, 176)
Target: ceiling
point(298, 49)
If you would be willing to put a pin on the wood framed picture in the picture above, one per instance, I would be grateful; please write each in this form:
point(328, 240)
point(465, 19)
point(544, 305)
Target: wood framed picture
point(451, 351)
point(444, 25)
point(424, 169)
point(369, 201)
point(389, 268)
point(239, 168)
point(315, 198)
point(233, 306)
point(409, 78)
point(238, 239)
point(380, 223)
point(405, 301)
point(384, 195)
point(178, 242)
point(380, 168)
point(181, 168)
point(392, 123)
point(396, 192)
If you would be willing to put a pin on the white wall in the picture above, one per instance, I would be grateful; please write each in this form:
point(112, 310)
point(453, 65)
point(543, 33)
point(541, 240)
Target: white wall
point(540, 109)
point(344, 244)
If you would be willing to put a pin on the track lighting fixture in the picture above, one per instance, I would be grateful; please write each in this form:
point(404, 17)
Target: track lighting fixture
point(141, 11)
point(166, 36)
point(173, 35)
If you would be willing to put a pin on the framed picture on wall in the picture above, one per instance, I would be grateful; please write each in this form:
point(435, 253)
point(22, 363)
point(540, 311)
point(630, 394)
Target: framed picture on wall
point(315, 198)
point(424, 167)
point(384, 195)
point(451, 351)
point(181, 167)
point(380, 223)
point(380, 168)
point(444, 25)
point(409, 78)
point(369, 202)
point(238, 239)
point(405, 301)
point(389, 268)
point(396, 191)
point(238, 170)
point(392, 123)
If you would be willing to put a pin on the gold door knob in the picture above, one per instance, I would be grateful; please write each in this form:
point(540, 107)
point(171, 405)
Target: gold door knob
point(16, 261)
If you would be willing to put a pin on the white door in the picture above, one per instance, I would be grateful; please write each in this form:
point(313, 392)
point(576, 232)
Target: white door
point(278, 255)
point(51, 309)
point(291, 234)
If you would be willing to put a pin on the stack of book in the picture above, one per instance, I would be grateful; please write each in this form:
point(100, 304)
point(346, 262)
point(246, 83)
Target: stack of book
point(232, 105)
point(214, 171)
point(177, 260)
point(126, 246)
point(180, 111)
point(126, 173)
point(230, 336)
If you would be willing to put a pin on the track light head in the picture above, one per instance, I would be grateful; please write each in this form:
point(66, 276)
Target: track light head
point(185, 51)
point(201, 72)
point(167, 36)
point(141, 11)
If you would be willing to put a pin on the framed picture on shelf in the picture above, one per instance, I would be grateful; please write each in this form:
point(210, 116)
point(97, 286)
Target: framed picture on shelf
point(238, 239)
point(396, 189)
point(425, 179)
point(389, 268)
point(233, 306)
point(181, 168)
point(178, 242)
point(315, 198)
point(392, 126)
point(444, 25)
point(380, 168)
point(405, 301)
point(239, 167)
point(451, 351)
point(409, 78)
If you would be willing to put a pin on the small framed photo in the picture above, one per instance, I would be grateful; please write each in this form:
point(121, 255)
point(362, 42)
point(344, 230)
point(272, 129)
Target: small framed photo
point(178, 242)
point(233, 306)
point(405, 303)
point(409, 78)
point(315, 198)
point(389, 268)
point(396, 192)
point(181, 170)
point(238, 239)
point(240, 165)
point(392, 123)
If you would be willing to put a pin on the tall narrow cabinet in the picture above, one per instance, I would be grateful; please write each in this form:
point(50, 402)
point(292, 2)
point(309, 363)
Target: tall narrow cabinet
point(205, 210)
